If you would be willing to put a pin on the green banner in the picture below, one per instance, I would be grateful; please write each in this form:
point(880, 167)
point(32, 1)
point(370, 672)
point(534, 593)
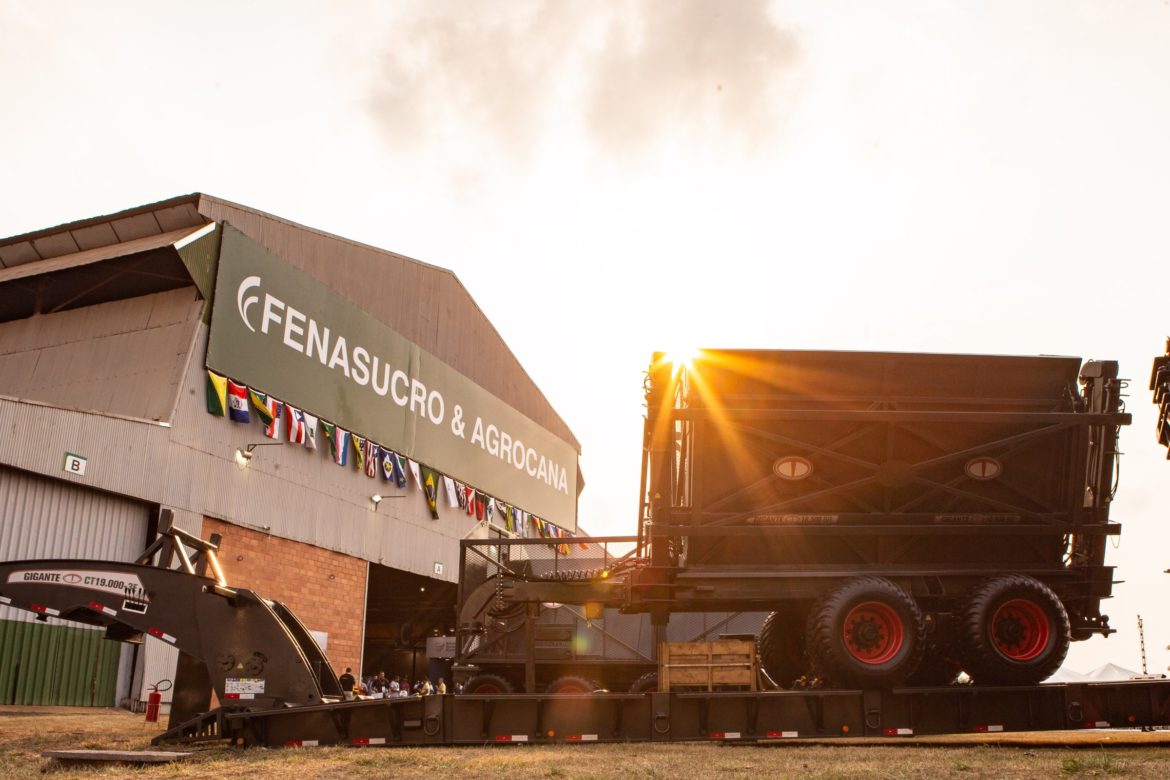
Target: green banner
point(279, 330)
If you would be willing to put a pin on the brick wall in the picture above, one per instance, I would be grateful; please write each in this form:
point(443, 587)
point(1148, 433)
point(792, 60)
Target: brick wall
point(324, 588)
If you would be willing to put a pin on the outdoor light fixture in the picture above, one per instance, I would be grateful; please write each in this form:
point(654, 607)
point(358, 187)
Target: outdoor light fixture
point(378, 498)
point(243, 457)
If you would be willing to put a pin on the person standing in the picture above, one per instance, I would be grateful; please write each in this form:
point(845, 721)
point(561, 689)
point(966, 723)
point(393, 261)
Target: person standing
point(347, 681)
point(442, 687)
point(379, 686)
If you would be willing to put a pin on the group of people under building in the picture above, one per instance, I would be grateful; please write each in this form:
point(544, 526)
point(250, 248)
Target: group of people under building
point(382, 687)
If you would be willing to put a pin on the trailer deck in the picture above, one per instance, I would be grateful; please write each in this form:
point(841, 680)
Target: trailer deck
point(687, 717)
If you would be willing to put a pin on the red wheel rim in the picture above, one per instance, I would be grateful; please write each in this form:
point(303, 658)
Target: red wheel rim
point(571, 688)
point(485, 689)
point(873, 632)
point(1020, 629)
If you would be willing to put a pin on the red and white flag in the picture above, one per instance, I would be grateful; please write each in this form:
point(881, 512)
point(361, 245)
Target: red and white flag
point(294, 419)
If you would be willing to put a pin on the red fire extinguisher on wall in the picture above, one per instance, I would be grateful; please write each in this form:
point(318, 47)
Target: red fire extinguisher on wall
point(154, 700)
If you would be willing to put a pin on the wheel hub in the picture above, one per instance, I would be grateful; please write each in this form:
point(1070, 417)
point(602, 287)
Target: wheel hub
point(873, 633)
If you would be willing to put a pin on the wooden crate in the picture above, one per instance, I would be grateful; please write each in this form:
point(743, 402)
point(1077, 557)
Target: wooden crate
point(708, 665)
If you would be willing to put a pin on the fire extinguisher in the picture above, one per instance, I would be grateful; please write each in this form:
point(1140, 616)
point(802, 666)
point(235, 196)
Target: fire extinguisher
point(154, 700)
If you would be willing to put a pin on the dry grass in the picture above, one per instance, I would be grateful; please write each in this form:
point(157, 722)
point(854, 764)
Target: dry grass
point(25, 732)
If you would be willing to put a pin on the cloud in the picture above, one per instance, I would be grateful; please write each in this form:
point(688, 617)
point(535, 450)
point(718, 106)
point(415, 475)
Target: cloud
point(503, 76)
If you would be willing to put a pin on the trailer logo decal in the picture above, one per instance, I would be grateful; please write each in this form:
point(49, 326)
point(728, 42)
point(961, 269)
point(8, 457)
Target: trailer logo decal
point(983, 468)
point(792, 467)
point(104, 581)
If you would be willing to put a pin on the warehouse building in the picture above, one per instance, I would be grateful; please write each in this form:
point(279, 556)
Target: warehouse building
point(340, 415)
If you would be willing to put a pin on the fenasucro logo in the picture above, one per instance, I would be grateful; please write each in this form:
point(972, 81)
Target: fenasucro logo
point(245, 301)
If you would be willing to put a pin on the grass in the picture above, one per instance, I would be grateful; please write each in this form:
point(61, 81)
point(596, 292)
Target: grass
point(26, 732)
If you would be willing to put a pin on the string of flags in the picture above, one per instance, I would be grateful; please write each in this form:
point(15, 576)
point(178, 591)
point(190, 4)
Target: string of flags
point(280, 420)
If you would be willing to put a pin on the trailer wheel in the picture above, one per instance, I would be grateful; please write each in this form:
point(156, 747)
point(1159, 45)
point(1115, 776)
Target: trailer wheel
point(867, 632)
point(780, 646)
point(647, 683)
point(1015, 631)
point(571, 684)
point(487, 685)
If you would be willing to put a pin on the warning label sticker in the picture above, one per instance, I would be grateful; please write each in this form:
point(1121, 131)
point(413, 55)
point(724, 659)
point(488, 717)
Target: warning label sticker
point(243, 685)
point(127, 585)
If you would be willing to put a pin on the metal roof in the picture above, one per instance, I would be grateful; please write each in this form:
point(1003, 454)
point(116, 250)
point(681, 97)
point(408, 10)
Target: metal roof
point(132, 252)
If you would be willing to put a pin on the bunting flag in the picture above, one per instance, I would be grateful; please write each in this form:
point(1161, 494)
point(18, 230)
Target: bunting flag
point(469, 503)
point(260, 404)
point(338, 443)
point(216, 394)
point(371, 459)
point(329, 431)
point(238, 402)
point(359, 451)
point(489, 508)
point(461, 495)
point(479, 506)
point(431, 489)
point(294, 420)
point(399, 470)
point(506, 513)
point(563, 547)
point(581, 543)
point(521, 521)
point(449, 487)
point(272, 429)
point(415, 473)
point(310, 431)
point(387, 460)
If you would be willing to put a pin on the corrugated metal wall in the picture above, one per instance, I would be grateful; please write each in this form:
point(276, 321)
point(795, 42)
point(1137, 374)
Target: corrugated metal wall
point(58, 662)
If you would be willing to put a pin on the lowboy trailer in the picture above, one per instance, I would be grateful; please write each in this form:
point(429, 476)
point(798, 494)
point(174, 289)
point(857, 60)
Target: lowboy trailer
point(275, 688)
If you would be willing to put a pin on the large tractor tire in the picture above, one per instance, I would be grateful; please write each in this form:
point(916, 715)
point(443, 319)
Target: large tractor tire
point(487, 685)
point(572, 684)
point(647, 683)
point(868, 633)
point(1014, 631)
point(780, 646)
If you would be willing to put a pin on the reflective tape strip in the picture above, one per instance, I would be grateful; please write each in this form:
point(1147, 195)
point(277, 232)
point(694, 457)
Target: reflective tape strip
point(897, 732)
point(5, 600)
point(44, 610)
point(369, 741)
point(511, 738)
point(724, 735)
point(1096, 724)
point(102, 608)
point(783, 734)
point(988, 729)
point(158, 633)
point(582, 738)
point(301, 743)
point(239, 696)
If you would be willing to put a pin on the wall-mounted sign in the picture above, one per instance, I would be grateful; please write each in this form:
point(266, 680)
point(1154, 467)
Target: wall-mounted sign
point(75, 464)
point(438, 569)
point(278, 329)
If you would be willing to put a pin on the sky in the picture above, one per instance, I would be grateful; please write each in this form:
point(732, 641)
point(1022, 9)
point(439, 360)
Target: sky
point(611, 179)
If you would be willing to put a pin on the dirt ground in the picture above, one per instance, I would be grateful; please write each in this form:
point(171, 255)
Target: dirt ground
point(26, 732)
